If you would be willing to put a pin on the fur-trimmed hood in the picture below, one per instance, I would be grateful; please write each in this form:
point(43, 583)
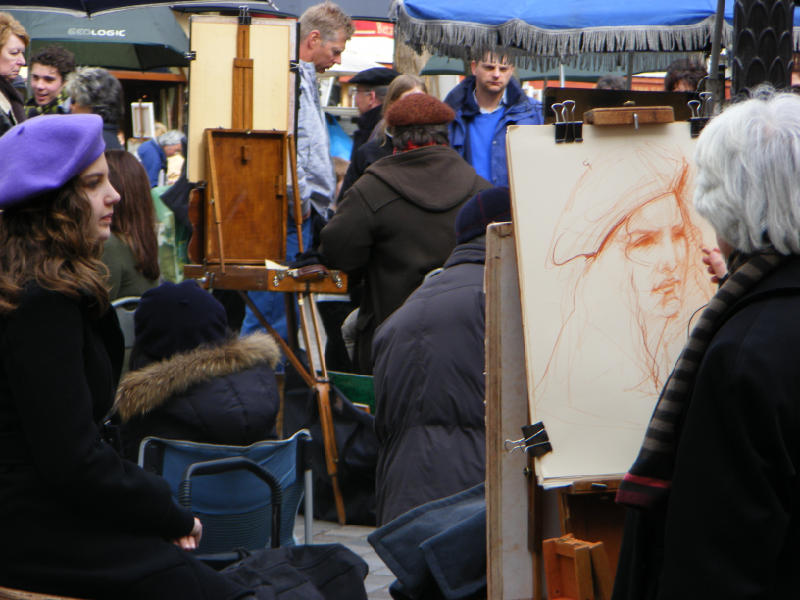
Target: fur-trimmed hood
point(145, 389)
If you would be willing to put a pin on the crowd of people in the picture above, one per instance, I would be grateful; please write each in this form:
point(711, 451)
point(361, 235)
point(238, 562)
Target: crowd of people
point(406, 219)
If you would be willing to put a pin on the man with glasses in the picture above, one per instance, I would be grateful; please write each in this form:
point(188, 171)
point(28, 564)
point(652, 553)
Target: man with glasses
point(371, 85)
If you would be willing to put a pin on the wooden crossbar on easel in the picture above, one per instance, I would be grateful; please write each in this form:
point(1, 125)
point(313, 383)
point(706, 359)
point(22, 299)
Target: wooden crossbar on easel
point(576, 569)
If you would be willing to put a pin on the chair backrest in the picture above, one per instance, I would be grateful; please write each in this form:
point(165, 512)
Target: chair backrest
point(125, 308)
point(234, 506)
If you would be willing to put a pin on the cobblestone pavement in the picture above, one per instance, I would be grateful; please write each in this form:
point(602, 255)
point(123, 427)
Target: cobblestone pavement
point(354, 537)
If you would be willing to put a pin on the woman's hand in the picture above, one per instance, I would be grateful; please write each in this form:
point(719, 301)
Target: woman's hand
point(191, 541)
point(715, 263)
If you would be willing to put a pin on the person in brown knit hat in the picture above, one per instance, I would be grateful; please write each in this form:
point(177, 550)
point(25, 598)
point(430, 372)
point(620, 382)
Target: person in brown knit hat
point(396, 222)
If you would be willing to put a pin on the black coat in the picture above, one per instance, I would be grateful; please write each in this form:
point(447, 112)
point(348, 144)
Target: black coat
point(218, 395)
point(395, 224)
point(75, 518)
point(366, 123)
point(366, 154)
point(429, 388)
point(730, 525)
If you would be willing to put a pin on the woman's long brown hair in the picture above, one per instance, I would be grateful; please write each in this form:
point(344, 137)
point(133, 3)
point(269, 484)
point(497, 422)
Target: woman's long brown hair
point(134, 217)
point(49, 240)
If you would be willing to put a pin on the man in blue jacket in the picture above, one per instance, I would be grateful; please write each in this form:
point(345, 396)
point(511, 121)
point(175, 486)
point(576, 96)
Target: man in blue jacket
point(485, 105)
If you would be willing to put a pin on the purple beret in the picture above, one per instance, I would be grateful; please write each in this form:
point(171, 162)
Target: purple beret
point(485, 207)
point(44, 153)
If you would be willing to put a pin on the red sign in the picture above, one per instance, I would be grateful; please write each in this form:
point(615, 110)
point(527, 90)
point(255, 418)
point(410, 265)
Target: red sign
point(373, 29)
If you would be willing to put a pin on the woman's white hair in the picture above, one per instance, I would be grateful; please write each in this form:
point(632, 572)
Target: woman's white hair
point(748, 173)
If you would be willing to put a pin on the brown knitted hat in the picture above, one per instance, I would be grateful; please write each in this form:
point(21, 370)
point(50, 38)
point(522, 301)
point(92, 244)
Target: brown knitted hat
point(419, 109)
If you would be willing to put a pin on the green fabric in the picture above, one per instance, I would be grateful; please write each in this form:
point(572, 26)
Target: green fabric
point(124, 279)
point(357, 388)
point(171, 257)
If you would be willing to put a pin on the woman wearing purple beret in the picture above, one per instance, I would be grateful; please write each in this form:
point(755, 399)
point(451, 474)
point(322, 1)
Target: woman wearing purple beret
point(75, 518)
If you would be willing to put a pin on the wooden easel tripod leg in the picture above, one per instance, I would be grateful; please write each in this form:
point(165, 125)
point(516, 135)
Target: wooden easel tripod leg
point(321, 387)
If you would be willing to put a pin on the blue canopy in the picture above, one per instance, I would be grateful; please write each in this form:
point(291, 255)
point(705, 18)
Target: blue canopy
point(586, 33)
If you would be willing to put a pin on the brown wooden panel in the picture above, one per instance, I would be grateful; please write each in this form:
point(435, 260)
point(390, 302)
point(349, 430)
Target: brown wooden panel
point(593, 515)
point(251, 277)
point(246, 208)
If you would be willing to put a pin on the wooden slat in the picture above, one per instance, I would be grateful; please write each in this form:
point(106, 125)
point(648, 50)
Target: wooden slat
point(12, 594)
point(646, 115)
point(514, 572)
point(256, 277)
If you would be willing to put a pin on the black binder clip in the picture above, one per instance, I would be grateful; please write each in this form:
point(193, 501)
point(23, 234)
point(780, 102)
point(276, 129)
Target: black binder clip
point(700, 116)
point(560, 124)
point(535, 442)
point(567, 128)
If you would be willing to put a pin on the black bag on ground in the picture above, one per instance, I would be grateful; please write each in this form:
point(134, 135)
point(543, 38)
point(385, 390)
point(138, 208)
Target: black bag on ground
point(318, 572)
point(356, 444)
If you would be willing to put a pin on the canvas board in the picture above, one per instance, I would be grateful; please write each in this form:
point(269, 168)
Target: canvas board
point(213, 39)
point(611, 279)
point(143, 119)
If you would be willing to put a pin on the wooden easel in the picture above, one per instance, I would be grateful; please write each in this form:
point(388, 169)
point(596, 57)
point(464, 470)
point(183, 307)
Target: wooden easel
point(233, 233)
point(516, 506)
point(586, 508)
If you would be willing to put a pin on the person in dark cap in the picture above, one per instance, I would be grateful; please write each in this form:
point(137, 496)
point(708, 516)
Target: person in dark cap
point(429, 374)
point(191, 378)
point(396, 222)
point(369, 94)
point(116, 531)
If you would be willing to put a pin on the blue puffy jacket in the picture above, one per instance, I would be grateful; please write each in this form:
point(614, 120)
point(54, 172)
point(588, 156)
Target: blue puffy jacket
point(519, 110)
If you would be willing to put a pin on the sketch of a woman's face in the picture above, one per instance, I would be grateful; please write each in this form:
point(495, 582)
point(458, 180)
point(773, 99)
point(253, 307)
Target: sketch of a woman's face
point(636, 250)
point(654, 240)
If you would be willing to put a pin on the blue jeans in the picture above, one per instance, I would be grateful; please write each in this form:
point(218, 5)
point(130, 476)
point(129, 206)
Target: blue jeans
point(272, 305)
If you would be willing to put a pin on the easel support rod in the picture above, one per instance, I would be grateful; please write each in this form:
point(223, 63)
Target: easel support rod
point(307, 378)
point(298, 212)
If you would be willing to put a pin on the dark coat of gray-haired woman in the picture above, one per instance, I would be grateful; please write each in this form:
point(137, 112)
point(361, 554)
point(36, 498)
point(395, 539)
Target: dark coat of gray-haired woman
point(714, 490)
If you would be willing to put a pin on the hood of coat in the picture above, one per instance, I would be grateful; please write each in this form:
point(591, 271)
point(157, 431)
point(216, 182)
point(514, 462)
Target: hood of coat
point(434, 178)
point(143, 390)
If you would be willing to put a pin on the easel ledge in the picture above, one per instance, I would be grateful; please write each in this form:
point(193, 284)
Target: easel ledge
point(259, 278)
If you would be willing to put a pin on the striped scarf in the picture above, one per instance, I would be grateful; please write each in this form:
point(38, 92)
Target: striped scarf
point(650, 476)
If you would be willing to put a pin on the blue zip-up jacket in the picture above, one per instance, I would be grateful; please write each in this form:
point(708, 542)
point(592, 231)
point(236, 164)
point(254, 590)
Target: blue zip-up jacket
point(517, 110)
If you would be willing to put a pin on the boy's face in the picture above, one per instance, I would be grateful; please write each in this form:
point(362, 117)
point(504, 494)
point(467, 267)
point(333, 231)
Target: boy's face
point(46, 83)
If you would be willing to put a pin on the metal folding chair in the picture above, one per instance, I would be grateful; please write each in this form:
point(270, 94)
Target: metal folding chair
point(247, 497)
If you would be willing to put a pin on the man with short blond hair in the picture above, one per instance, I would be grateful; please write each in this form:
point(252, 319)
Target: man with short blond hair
point(486, 104)
point(324, 31)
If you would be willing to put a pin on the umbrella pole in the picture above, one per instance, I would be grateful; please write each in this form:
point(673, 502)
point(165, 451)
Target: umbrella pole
point(629, 74)
point(717, 83)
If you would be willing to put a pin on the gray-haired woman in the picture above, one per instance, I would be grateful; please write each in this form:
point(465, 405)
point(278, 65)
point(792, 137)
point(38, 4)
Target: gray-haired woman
point(715, 486)
point(95, 90)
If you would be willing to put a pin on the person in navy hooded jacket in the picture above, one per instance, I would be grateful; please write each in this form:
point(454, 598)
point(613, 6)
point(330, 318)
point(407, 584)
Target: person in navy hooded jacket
point(485, 104)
